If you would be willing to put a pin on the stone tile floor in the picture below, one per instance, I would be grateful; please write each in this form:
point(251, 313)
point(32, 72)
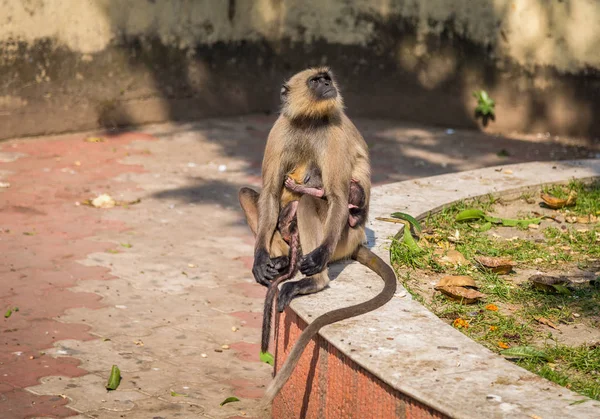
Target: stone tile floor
point(152, 286)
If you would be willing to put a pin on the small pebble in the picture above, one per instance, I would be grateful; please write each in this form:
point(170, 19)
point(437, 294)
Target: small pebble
point(218, 350)
point(225, 346)
point(234, 329)
point(203, 355)
point(222, 168)
point(576, 315)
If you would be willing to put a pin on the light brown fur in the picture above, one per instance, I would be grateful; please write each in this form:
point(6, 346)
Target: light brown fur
point(312, 129)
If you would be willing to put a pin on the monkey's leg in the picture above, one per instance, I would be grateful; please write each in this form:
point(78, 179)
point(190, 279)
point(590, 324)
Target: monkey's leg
point(279, 248)
point(311, 215)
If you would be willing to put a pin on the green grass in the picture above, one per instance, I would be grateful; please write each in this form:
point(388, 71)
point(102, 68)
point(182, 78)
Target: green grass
point(588, 196)
point(515, 324)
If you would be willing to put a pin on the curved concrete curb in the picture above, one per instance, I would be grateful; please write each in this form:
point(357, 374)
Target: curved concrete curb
point(401, 360)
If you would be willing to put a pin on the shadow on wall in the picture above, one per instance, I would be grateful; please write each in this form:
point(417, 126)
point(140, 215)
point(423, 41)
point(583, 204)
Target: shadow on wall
point(403, 72)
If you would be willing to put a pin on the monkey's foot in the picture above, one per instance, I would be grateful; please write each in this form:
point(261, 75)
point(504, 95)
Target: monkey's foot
point(289, 290)
point(286, 295)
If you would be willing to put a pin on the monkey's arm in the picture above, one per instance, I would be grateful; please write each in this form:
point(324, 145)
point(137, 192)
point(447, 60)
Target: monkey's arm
point(264, 269)
point(302, 189)
point(337, 186)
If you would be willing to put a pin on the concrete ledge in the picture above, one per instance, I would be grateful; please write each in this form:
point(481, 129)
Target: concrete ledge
point(402, 360)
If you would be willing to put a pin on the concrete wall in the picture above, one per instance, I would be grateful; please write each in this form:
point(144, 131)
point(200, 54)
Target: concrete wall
point(79, 64)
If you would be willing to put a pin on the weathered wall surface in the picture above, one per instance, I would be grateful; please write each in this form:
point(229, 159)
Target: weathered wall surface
point(78, 64)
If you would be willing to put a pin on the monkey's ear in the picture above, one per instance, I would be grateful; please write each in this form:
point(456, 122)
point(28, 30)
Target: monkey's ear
point(284, 92)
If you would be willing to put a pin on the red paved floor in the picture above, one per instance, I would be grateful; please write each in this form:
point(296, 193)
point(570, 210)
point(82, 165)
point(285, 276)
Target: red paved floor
point(42, 235)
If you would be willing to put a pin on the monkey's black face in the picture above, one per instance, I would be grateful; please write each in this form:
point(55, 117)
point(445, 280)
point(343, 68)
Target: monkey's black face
point(322, 86)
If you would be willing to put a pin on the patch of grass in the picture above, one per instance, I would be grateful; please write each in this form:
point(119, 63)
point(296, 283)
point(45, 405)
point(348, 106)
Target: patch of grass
point(520, 306)
point(588, 196)
point(572, 367)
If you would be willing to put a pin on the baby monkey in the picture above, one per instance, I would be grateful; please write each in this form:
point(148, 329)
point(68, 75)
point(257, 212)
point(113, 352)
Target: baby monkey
point(304, 179)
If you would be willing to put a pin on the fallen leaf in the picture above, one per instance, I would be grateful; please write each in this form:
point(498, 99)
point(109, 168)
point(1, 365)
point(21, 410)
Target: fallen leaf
point(103, 201)
point(115, 378)
point(174, 394)
point(498, 265)
point(450, 257)
point(8, 313)
point(470, 214)
point(127, 245)
point(138, 343)
point(545, 321)
point(557, 203)
point(389, 220)
point(524, 352)
point(503, 345)
point(491, 307)
point(460, 323)
point(456, 281)
point(229, 400)
point(94, 140)
point(461, 294)
point(267, 358)
point(549, 283)
point(409, 218)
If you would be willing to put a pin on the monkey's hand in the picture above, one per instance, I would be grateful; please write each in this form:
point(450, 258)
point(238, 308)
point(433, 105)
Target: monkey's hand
point(264, 268)
point(301, 189)
point(315, 261)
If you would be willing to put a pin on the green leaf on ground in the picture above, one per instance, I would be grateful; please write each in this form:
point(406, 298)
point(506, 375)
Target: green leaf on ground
point(229, 400)
point(267, 358)
point(175, 394)
point(115, 378)
point(470, 214)
point(524, 352)
point(403, 216)
point(8, 313)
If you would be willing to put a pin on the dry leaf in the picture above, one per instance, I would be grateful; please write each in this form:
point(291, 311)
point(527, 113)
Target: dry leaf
point(450, 257)
point(587, 219)
point(556, 203)
point(491, 307)
point(94, 140)
point(456, 281)
point(543, 320)
point(499, 265)
point(103, 201)
point(547, 283)
point(461, 294)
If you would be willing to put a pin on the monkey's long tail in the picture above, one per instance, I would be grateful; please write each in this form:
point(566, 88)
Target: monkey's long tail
point(272, 291)
point(371, 261)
